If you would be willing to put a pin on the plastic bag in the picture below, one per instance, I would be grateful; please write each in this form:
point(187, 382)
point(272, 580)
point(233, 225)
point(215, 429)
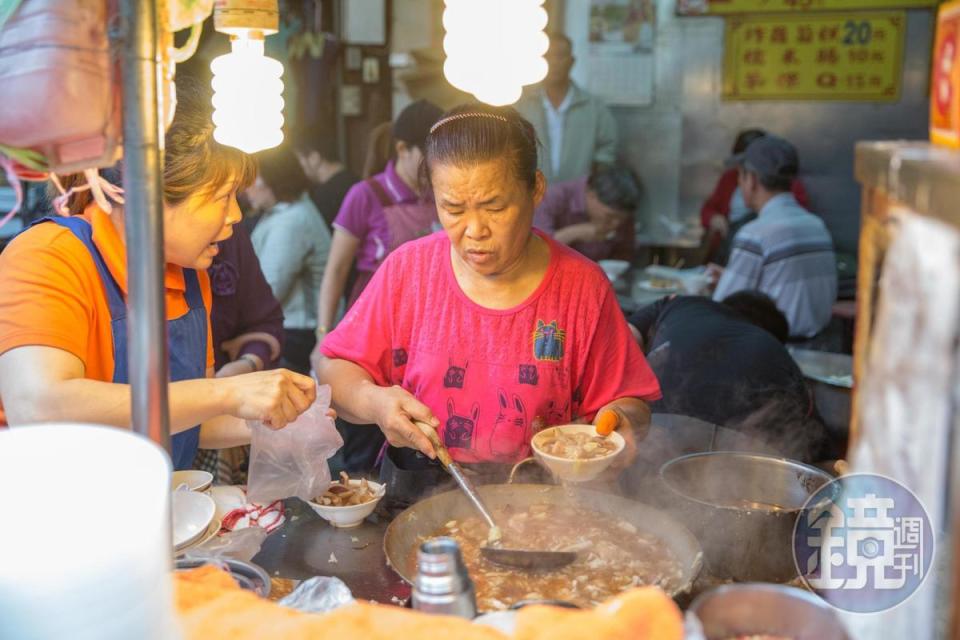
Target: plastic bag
point(293, 461)
point(242, 544)
point(318, 595)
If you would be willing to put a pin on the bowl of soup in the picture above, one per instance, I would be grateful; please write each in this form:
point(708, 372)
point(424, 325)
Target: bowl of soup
point(575, 452)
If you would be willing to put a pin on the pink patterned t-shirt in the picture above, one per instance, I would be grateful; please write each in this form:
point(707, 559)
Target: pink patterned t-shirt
point(490, 375)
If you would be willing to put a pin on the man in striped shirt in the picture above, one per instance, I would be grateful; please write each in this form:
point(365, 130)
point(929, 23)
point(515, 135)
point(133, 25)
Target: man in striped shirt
point(787, 252)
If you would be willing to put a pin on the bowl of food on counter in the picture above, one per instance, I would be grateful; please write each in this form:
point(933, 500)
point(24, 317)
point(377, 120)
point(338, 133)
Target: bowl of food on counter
point(576, 452)
point(348, 501)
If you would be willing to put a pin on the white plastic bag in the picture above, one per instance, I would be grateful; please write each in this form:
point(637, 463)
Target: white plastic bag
point(293, 461)
point(320, 594)
point(242, 544)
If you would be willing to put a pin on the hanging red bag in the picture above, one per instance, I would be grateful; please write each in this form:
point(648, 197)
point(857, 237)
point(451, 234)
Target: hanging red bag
point(57, 79)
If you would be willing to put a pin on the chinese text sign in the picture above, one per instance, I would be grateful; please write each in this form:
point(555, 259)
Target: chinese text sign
point(855, 57)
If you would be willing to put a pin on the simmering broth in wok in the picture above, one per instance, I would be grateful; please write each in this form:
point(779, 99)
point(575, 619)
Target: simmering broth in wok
point(612, 556)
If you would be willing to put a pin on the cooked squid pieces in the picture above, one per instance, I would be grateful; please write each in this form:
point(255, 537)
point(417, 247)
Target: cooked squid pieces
point(574, 445)
point(612, 556)
point(345, 494)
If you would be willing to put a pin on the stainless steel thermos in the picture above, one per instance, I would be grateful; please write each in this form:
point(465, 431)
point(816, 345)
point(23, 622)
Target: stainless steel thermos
point(443, 584)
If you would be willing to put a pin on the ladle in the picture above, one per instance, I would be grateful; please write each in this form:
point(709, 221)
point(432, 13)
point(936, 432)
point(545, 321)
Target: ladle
point(493, 550)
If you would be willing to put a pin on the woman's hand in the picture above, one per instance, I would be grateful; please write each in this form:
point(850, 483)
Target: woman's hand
point(275, 398)
point(631, 418)
point(397, 408)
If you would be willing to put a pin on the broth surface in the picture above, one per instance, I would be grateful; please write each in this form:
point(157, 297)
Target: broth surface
point(612, 556)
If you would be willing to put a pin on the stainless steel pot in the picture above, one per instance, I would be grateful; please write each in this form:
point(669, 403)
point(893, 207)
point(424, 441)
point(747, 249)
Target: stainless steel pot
point(765, 609)
point(742, 508)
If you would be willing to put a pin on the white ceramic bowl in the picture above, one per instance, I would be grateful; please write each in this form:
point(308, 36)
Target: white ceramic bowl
point(576, 470)
point(194, 479)
point(614, 268)
point(352, 516)
point(192, 515)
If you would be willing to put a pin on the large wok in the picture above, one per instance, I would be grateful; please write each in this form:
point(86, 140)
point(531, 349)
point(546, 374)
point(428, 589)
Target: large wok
point(427, 516)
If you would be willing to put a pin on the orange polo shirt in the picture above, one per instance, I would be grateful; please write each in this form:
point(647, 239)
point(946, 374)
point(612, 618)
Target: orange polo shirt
point(51, 293)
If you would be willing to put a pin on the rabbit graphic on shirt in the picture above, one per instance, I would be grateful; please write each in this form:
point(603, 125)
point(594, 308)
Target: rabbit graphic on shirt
point(458, 431)
point(509, 433)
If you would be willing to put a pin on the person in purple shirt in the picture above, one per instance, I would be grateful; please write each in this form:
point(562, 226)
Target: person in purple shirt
point(247, 325)
point(246, 319)
point(379, 214)
point(593, 214)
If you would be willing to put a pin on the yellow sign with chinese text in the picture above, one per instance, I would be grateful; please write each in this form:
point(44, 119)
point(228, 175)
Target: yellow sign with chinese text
point(827, 56)
point(727, 7)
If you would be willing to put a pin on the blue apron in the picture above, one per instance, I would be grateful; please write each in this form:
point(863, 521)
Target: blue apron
point(187, 335)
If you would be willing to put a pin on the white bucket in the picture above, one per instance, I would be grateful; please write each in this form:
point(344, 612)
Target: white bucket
point(85, 551)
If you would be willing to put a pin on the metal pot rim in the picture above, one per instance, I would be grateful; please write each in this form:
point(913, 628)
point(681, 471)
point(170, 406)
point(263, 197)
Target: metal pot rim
point(795, 593)
point(782, 589)
point(661, 474)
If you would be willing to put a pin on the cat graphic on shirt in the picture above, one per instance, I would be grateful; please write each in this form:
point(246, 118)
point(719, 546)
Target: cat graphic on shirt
point(455, 375)
point(548, 341)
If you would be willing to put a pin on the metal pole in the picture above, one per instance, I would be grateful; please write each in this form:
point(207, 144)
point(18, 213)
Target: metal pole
point(143, 221)
point(341, 120)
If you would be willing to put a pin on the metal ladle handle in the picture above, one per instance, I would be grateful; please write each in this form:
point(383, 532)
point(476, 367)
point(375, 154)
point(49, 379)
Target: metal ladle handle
point(454, 470)
point(472, 494)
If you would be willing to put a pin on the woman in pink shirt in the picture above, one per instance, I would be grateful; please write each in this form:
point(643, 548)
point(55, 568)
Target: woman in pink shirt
point(488, 330)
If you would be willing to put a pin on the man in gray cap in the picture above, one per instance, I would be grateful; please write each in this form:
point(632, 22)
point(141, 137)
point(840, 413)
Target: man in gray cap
point(787, 252)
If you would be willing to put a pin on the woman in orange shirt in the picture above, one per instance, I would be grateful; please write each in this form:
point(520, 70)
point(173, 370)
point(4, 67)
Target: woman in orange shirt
point(63, 314)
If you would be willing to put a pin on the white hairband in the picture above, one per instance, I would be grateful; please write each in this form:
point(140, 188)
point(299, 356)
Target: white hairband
point(461, 116)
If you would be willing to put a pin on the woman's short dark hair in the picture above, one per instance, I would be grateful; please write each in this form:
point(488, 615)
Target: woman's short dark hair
point(616, 187)
point(477, 132)
point(281, 171)
point(312, 138)
point(760, 310)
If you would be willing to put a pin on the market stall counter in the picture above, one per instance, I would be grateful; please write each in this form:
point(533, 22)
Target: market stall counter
point(308, 546)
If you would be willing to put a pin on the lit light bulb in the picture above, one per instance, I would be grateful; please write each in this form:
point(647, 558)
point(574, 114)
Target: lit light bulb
point(494, 47)
point(247, 97)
